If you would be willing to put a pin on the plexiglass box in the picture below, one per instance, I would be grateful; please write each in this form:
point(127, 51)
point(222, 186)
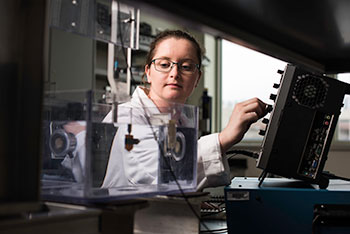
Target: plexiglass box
point(93, 151)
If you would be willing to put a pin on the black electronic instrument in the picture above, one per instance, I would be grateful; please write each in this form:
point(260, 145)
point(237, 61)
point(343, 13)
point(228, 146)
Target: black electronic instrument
point(302, 123)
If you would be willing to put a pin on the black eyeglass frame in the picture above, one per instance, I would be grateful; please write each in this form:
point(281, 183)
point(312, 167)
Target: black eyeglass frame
point(172, 65)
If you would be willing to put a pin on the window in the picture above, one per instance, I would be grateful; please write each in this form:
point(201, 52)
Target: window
point(247, 74)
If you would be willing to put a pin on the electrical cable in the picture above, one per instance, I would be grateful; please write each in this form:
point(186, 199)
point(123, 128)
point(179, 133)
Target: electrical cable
point(155, 137)
point(332, 176)
point(250, 154)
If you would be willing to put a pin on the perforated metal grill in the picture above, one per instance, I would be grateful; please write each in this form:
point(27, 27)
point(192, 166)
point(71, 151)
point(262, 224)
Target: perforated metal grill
point(310, 91)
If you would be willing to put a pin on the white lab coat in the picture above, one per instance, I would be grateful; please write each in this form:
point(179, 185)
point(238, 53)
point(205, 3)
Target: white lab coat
point(140, 165)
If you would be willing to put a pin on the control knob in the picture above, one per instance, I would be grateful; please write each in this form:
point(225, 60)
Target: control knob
point(273, 97)
point(262, 132)
point(265, 121)
point(276, 86)
point(269, 108)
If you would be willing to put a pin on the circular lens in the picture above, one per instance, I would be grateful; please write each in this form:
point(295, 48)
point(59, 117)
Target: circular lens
point(62, 143)
point(180, 147)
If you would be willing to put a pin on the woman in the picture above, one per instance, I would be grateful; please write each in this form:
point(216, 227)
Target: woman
point(173, 71)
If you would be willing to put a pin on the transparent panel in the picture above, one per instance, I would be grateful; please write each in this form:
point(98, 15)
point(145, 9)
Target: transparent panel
point(94, 150)
point(103, 20)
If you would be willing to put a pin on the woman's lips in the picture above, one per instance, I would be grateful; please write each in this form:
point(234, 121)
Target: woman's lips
point(174, 85)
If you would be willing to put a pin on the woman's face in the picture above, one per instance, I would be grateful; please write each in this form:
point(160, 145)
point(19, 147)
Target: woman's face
point(175, 85)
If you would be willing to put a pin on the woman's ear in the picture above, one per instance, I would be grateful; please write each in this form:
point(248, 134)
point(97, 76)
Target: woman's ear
point(148, 73)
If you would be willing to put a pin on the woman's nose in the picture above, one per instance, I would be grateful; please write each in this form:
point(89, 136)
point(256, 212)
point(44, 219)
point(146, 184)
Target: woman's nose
point(174, 72)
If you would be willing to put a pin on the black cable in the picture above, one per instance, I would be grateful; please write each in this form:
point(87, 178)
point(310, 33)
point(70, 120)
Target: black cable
point(243, 152)
point(332, 176)
point(154, 134)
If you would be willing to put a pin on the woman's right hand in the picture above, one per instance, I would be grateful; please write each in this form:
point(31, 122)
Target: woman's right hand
point(243, 115)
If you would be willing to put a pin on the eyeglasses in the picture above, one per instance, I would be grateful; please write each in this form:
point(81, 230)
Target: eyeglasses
point(165, 65)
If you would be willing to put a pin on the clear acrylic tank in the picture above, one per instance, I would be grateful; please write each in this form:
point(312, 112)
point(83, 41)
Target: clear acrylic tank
point(93, 151)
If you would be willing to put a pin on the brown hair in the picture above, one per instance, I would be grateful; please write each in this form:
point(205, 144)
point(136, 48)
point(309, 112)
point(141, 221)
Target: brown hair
point(178, 34)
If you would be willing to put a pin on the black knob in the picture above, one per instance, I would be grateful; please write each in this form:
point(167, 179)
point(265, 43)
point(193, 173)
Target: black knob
point(276, 86)
point(262, 132)
point(269, 108)
point(280, 71)
point(265, 121)
point(273, 97)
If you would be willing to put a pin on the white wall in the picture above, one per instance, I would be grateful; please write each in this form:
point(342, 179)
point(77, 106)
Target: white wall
point(338, 163)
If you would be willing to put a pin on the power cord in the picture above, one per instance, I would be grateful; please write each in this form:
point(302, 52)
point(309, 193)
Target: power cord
point(250, 154)
point(333, 176)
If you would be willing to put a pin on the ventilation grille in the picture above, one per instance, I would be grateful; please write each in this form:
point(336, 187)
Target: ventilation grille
point(310, 91)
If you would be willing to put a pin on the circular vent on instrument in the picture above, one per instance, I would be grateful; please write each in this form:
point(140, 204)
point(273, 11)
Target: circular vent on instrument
point(310, 91)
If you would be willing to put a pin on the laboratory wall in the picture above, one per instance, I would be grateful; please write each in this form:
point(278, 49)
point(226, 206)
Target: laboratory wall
point(71, 61)
point(339, 162)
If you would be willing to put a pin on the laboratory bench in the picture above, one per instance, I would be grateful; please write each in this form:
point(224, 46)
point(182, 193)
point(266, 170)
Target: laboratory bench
point(159, 214)
point(53, 218)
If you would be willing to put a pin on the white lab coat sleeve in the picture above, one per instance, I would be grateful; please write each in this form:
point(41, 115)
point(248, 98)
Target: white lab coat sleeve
point(213, 169)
